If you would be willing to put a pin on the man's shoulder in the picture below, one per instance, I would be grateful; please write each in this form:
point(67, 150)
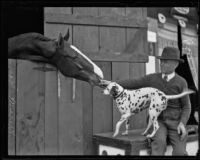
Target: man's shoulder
point(180, 78)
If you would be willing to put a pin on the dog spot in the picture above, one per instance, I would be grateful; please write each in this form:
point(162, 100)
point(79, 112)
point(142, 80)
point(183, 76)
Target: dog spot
point(153, 105)
point(129, 98)
point(135, 104)
point(136, 110)
point(153, 118)
point(140, 106)
point(163, 98)
point(159, 94)
point(157, 110)
point(145, 96)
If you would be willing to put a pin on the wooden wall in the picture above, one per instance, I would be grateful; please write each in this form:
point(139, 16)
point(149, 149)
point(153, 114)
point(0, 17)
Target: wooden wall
point(42, 112)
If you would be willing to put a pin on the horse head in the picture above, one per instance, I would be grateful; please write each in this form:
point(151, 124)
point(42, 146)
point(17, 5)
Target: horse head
point(73, 63)
point(67, 58)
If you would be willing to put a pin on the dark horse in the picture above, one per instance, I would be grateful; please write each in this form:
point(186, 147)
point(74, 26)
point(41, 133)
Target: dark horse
point(70, 61)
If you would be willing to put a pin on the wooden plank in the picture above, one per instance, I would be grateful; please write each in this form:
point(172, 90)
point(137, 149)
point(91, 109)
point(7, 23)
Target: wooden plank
point(12, 90)
point(86, 38)
point(137, 42)
point(70, 114)
point(87, 104)
point(58, 10)
point(112, 11)
point(51, 113)
point(135, 12)
point(30, 109)
point(138, 120)
point(85, 11)
point(112, 39)
point(120, 71)
point(70, 118)
point(52, 105)
point(79, 19)
point(102, 104)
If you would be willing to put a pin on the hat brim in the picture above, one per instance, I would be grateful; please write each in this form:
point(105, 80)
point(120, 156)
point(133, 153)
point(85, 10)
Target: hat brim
point(162, 58)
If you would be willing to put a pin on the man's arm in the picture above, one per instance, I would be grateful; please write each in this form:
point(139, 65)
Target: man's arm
point(136, 83)
point(186, 106)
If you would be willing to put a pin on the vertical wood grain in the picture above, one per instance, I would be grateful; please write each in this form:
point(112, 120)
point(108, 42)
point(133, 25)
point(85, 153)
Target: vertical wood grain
point(86, 39)
point(55, 110)
point(30, 109)
point(11, 106)
point(102, 104)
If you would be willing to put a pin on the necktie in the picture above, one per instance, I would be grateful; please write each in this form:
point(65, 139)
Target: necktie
point(165, 77)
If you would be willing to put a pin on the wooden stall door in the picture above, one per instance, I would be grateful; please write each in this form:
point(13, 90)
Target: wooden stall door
point(30, 108)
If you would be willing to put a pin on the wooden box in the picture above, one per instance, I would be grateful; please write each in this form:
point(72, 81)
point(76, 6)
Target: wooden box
point(136, 144)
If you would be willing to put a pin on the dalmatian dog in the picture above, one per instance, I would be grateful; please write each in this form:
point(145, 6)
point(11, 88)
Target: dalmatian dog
point(130, 102)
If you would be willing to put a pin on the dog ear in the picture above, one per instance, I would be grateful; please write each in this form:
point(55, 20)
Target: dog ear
point(60, 41)
point(66, 37)
point(113, 91)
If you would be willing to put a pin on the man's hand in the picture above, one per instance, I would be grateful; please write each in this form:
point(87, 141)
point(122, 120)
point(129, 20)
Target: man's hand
point(182, 130)
point(196, 116)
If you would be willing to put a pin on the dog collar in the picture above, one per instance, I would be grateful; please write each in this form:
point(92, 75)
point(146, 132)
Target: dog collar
point(115, 97)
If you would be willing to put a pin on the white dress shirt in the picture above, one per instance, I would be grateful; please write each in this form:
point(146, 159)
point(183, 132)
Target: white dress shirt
point(169, 76)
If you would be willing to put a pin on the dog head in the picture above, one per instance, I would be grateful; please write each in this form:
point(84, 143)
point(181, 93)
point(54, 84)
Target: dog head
point(113, 89)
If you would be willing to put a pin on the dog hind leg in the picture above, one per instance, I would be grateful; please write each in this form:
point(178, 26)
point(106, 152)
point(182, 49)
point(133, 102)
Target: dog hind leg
point(155, 128)
point(148, 126)
point(153, 115)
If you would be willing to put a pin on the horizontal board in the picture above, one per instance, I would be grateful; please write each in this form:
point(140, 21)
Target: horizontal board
point(103, 56)
point(95, 20)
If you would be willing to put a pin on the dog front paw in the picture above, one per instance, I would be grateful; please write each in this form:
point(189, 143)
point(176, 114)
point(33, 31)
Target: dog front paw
point(149, 136)
point(144, 133)
point(125, 133)
point(115, 134)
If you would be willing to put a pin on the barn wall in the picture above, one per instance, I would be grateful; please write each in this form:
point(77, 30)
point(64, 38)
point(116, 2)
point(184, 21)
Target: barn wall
point(57, 115)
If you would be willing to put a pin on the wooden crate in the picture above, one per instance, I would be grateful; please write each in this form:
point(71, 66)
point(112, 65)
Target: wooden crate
point(136, 144)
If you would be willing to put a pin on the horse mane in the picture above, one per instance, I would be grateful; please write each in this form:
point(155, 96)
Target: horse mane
point(40, 37)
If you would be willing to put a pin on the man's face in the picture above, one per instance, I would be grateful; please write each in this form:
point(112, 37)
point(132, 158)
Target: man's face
point(168, 66)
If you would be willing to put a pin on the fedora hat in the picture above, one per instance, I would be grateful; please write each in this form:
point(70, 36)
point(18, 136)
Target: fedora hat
point(170, 53)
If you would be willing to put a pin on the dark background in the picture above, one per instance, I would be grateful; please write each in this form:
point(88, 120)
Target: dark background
point(21, 17)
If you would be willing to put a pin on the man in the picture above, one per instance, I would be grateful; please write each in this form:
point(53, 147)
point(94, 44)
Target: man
point(173, 120)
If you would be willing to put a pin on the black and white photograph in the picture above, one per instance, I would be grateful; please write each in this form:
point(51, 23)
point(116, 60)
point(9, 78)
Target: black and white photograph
point(102, 81)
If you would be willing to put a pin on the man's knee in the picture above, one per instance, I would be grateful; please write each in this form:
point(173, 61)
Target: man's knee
point(158, 146)
point(179, 151)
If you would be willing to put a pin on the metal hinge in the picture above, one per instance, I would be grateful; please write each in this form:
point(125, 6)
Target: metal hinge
point(44, 69)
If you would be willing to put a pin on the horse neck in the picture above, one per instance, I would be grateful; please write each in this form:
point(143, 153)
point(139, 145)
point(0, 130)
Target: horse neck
point(19, 45)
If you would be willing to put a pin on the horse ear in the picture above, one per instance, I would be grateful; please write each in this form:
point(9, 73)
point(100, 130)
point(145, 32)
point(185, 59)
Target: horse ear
point(60, 41)
point(66, 37)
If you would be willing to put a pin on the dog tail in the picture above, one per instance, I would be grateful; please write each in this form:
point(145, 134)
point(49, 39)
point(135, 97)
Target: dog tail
point(185, 92)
